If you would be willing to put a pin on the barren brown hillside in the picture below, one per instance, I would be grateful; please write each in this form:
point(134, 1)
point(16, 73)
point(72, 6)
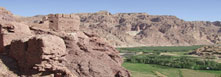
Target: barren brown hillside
point(141, 29)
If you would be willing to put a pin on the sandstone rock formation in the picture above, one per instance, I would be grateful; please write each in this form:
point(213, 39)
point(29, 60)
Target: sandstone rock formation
point(8, 67)
point(57, 52)
point(90, 56)
point(42, 53)
point(85, 56)
point(70, 44)
point(10, 29)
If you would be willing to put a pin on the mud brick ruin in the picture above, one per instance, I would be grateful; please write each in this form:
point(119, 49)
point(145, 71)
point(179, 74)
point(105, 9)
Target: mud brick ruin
point(64, 22)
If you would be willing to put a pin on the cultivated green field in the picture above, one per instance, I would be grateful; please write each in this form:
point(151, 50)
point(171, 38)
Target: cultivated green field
point(140, 67)
point(149, 70)
point(159, 49)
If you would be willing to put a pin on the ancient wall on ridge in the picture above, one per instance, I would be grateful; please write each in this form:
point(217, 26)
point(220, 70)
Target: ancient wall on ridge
point(64, 22)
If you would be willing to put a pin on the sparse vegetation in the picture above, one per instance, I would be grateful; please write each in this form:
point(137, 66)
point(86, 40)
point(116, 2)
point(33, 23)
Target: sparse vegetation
point(169, 61)
point(176, 62)
point(147, 70)
point(159, 49)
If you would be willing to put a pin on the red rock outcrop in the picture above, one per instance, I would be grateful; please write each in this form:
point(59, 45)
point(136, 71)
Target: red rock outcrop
point(82, 54)
point(42, 53)
point(45, 52)
point(8, 67)
point(13, 30)
point(10, 29)
point(90, 56)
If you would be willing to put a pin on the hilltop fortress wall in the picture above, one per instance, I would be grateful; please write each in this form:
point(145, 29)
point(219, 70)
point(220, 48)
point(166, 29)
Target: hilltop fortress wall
point(64, 22)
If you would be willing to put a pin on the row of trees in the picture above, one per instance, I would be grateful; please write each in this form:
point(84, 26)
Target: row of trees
point(177, 62)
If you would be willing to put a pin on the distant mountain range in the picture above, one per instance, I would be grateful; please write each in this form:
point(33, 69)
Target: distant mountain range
point(141, 29)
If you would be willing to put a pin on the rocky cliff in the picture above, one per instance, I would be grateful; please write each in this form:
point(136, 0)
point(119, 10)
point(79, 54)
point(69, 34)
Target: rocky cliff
point(34, 51)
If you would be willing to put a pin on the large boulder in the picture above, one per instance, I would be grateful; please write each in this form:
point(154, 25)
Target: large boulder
point(42, 53)
point(78, 54)
point(10, 29)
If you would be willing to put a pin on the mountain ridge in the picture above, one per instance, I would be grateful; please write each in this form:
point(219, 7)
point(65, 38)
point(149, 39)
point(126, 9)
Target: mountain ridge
point(142, 29)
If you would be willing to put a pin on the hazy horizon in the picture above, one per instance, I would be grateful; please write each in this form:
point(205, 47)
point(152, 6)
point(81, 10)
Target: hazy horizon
point(188, 10)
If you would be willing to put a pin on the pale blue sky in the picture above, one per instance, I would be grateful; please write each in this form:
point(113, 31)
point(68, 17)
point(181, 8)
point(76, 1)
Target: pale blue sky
point(207, 10)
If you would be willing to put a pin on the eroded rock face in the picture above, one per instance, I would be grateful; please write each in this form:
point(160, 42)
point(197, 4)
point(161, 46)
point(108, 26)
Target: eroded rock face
point(10, 29)
point(42, 53)
point(13, 30)
point(7, 67)
point(80, 54)
point(90, 56)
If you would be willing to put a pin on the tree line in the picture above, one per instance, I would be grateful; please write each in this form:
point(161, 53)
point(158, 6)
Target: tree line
point(177, 62)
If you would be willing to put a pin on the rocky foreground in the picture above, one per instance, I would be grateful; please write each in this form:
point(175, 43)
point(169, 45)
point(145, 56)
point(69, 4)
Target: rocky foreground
point(33, 51)
point(29, 46)
point(141, 29)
